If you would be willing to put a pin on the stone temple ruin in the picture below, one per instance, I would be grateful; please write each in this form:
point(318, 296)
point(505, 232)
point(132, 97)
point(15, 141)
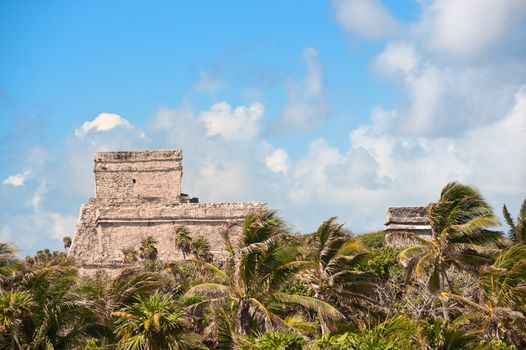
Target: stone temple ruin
point(407, 219)
point(138, 194)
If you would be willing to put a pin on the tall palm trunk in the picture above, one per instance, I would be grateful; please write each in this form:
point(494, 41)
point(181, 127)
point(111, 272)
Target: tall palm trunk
point(325, 329)
point(324, 322)
point(13, 343)
point(243, 318)
point(443, 278)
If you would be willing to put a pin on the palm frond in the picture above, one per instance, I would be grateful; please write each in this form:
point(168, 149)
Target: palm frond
point(219, 274)
point(507, 217)
point(423, 264)
point(213, 290)
point(520, 226)
point(464, 301)
point(259, 311)
point(130, 284)
point(321, 307)
point(433, 283)
point(299, 323)
point(470, 259)
point(413, 252)
point(221, 329)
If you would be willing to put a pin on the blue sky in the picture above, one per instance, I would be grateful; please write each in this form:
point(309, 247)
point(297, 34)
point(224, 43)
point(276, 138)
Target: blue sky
point(320, 108)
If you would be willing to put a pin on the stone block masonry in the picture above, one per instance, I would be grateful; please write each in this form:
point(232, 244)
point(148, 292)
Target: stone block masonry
point(407, 219)
point(138, 194)
point(140, 175)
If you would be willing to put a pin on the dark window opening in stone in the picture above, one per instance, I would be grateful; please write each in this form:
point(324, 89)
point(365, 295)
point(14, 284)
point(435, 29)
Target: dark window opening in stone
point(134, 181)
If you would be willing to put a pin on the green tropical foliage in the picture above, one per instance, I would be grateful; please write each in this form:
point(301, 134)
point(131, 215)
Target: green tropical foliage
point(15, 306)
point(333, 275)
point(517, 231)
point(380, 261)
point(275, 341)
point(130, 255)
point(67, 242)
point(392, 334)
point(201, 249)
point(460, 233)
point(154, 323)
point(148, 249)
point(272, 290)
point(372, 239)
point(499, 308)
point(182, 240)
point(256, 271)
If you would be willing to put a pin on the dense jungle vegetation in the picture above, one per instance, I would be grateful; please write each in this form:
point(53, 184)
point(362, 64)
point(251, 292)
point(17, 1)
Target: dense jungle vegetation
point(464, 288)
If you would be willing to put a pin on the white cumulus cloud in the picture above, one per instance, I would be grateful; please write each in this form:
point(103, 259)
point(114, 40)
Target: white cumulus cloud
point(468, 29)
point(103, 122)
point(17, 180)
point(367, 18)
point(307, 106)
point(381, 168)
point(239, 124)
point(278, 161)
point(397, 57)
point(62, 225)
point(444, 99)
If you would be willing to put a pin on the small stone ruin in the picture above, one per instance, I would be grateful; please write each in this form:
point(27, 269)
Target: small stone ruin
point(406, 219)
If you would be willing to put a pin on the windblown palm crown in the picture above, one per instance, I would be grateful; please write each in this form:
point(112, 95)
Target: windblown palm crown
point(460, 236)
point(256, 271)
point(333, 276)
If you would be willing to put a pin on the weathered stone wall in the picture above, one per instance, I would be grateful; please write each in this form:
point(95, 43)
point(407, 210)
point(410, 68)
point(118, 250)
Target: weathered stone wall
point(131, 176)
point(406, 215)
point(103, 231)
point(138, 195)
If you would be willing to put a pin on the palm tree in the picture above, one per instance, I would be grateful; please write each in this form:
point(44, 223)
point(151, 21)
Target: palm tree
point(502, 297)
point(148, 250)
point(460, 223)
point(333, 274)
point(58, 315)
point(517, 231)
point(201, 249)
point(15, 306)
point(182, 240)
point(130, 255)
point(7, 252)
point(275, 341)
point(443, 335)
point(67, 243)
point(103, 296)
point(393, 334)
point(154, 323)
point(256, 270)
point(8, 260)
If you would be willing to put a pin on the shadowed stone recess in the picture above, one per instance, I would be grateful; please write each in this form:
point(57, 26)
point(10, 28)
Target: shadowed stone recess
point(138, 194)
